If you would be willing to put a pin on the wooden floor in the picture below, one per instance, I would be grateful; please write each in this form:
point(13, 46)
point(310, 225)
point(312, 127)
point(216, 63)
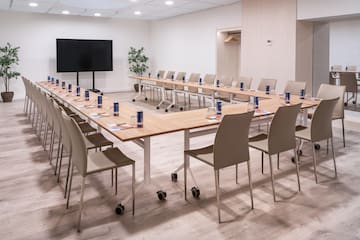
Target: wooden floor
point(32, 204)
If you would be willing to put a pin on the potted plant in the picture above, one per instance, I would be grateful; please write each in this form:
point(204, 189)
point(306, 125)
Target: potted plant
point(137, 63)
point(8, 59)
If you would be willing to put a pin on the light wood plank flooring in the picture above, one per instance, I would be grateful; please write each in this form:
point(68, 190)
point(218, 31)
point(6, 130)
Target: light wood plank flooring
point(32, 204)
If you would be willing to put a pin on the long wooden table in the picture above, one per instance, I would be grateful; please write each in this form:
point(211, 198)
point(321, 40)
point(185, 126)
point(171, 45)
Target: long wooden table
point(191, 122)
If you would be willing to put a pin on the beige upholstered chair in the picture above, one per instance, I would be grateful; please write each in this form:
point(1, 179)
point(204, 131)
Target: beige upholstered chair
point(87, 164)
point(247, 85)
point(209, 79)
point(194, 78)
point(295, 87)
point(230, 148)
point(349, 80)
point(267, 81)
point(225, 81)
point(352, 68)
point(327, 91)
point(281, 138)
point(169, 76)
point(320, 128)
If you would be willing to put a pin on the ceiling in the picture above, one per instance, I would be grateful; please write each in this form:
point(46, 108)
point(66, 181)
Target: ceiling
point(150, 9)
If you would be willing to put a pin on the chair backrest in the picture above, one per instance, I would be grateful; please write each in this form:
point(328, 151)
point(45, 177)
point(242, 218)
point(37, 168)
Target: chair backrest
point(267, 81)
point(332, 78)
point(282, 129)
point(295, 87)
point(65, 135)
point(232, 140)
point(321, 127)
point(78, 149)
point(161, 73)
point(337, 68)
point(180, 75)
point(327, 91)
point(169, 74)
point(226, 81)
point(352, 68)
point(52, 114)
point(246, 80)
point(209, 79)
point(194, 77)
point(349, 80)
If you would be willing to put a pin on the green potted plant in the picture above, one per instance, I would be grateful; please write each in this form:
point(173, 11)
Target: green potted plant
point(137, 63)
point(8, 59)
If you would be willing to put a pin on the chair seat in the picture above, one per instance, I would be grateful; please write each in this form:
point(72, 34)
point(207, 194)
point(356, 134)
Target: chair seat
point(96, 140)
point(86, 128)
point(108, 159)
point(303, 132)
point(241, 98)
point(259, 142)
point(205, 154)
point(77, 118)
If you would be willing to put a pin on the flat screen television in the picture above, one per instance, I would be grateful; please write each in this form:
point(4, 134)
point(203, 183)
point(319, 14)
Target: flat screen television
point(80, 55)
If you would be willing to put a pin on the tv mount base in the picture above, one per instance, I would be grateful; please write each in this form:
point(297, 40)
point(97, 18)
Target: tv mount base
point(93, 89)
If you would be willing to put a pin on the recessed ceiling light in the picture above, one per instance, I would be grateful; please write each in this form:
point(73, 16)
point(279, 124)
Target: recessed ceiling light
point(133, 0)
point(97, 14)
point(66, 12)
point(137, 13)
point(33, 4)
point(169, 3)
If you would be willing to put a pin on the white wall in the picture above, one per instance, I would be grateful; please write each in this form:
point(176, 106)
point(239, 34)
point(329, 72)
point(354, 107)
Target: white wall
point(36, 34)
point(345, 43)
point(273, 20)
point(188, 42)
point(314, 9)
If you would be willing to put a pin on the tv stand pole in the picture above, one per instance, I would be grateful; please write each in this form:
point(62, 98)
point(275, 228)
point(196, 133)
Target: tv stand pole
point(93, 84)
point(77, 78)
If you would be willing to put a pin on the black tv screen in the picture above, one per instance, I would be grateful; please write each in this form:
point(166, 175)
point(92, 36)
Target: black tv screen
point(77, 55)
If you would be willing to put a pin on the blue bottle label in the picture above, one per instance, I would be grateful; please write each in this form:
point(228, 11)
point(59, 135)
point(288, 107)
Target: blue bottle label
point(57, 82)
point(200, 81)
point(287, 97)
point(70, 88)
point(63, 85)
point(52, 80)
point(302, 94)
point(242, 86)
point(267, 91)
point(256, 102)
point(140, 119)
point(183, 78)
point(149, 75)
point(49, 78)
point(99, 101)
point(172, 77)
point(78, 91)
point(116, 109)
point(158, 75)
point(218, 83)
point(87, 96)
point(218, 108)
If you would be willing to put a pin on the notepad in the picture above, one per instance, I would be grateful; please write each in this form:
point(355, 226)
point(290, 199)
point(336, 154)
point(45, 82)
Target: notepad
point(119, 126)
point(259, 112)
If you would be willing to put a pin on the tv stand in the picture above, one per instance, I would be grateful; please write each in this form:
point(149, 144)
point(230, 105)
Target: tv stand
point(93, 84)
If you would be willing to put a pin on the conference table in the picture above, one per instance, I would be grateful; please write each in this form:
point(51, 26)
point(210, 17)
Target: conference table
point(194, 123)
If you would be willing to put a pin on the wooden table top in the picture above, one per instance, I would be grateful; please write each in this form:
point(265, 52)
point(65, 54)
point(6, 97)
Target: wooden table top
point(157, 124)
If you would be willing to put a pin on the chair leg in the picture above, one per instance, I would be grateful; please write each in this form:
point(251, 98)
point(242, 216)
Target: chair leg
point(262, 162)
point(133, 189)
point(112, 177)
point(272, 178)
point(57, 156)
point(327, 146)
point(333, 154)
point(60, 162)
point(185, 176)
point(217, 193)
point(67, 177)
point(278, 161)
point(297, 168)
point(69, 187)
point(81, 203)
point(343, 131)
point(314, 162)
point(250, 185)
point(116, 180)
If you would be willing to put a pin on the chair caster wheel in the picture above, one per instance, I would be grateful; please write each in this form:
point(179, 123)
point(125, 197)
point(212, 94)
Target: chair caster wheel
point(133, 100)
point(157, 108)
point(195, 192)
point(161, 195)
point(174, 177)
point(172, 106)
point(146, 99)
point(317, 146)
point(345, 104)
point(166, 110)
point(181, 109)
point(120, 209)
point(299, 152)
point(354, 102)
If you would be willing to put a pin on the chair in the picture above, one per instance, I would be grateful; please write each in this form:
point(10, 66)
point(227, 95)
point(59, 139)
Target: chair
point(281, 138)
point(295, 87)
point(247, 84)
point(320, 128)
point(336, 68)
point(225, 82)
point(230, 148)
point(327, 91)
point(267, 81)
point(209, 79)
point(87, 164)
point(349, 80)
point(194, 78)
point(351, 68)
